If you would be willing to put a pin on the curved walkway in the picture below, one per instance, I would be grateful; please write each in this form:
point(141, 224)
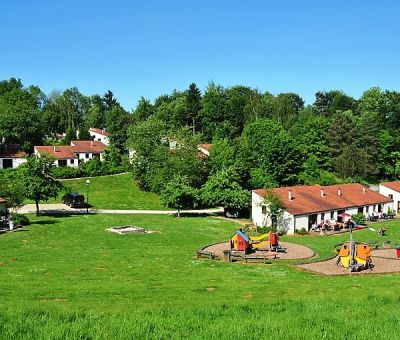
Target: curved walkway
point(64, 209)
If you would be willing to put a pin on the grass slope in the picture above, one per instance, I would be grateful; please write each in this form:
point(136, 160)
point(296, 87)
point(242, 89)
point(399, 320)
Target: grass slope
point(68, 278)
point(114, 192)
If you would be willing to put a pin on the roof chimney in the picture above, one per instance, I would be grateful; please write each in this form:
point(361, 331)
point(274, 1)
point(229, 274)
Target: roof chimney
point(364, 190)
point(290, 194)
point(322, 192)
point(339, 192)
point(54, 148)
point(91, 143)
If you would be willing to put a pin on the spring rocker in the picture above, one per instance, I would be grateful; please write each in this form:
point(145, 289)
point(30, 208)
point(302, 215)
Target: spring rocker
point(355, 256)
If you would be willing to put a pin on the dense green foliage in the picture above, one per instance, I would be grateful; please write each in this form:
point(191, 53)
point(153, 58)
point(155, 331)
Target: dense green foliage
point(271, 140)
point(68, 278)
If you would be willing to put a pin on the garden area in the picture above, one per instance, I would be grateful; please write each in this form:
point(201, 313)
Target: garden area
point(67, 277)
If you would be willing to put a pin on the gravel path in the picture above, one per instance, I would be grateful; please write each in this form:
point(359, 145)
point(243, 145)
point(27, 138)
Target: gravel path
point(293, 251)
point(384, 261)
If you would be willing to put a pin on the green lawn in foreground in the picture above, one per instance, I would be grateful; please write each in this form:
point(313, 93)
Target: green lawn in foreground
point(114, 192)
point(69, 278)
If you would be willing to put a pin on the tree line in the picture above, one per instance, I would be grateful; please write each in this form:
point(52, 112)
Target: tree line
point(259, 139)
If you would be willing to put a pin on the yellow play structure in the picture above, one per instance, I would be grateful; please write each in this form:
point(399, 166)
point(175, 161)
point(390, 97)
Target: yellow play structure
point(355, 256)
point(242, 242)
point(259, 241)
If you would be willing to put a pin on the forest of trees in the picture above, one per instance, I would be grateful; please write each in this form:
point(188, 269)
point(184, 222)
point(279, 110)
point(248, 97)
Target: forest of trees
point(259, 139)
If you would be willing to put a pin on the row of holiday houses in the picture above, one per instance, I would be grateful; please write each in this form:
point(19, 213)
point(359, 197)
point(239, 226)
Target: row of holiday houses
point(308, 205)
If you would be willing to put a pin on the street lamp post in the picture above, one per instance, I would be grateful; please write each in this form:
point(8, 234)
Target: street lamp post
point(87, 195)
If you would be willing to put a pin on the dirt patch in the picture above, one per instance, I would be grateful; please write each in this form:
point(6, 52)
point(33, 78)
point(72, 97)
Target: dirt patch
point(293, 251)
point(384, 261)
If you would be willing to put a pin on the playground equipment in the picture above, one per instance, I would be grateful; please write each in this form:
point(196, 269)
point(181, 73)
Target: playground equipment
point(354, 255)
point(242, 242)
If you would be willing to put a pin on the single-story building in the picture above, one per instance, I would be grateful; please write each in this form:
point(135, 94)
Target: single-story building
point(100, 135)
point(306, 205)
point(391, 190)
point(74, 154)
point(11, 156)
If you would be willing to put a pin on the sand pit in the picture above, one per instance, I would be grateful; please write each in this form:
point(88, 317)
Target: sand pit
point(128, 230)
point(384, 261)
point(293, 251)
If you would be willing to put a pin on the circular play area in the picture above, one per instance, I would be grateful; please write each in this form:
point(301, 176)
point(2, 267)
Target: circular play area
point(292, 252)
point(352, 257)
point(384, 261)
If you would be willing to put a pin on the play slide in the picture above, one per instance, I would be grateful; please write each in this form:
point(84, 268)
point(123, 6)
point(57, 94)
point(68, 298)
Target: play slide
point(259, 241)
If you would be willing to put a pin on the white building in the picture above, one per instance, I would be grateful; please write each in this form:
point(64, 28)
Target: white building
point(307, 205)
point(100, 135)
point(74, 154)
point(391, 190)
point(11, 156)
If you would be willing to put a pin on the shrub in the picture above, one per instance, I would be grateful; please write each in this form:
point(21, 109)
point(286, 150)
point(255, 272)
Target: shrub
point(67, 172)
point(301, 231)
point(20, 219)
point(358, 218)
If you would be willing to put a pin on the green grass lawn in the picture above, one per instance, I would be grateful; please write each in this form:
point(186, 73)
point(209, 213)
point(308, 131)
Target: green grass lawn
point(113, 192)
point(67, 277)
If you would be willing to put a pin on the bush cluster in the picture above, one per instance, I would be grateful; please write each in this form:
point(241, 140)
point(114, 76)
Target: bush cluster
point(358, 218)
point(91, 168)
point(20, 219)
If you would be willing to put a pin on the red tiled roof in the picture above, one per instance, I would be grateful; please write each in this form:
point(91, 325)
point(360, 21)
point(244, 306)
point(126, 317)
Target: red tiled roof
point(3, 200)
point(59, 152)
point(307, 199)
point(205, 146)
point(12, 151)
point(83, 146)
point(100, 132)
point(392, 185)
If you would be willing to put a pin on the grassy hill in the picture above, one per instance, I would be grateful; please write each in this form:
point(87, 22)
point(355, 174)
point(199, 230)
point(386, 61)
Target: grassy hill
point(69, 278)
point(113, 192)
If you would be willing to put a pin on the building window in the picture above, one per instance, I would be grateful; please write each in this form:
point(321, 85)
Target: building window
point(322, 216)
point(62, 162)
point(367, 209)
point(332, 215)
point(264, 209)
point(391, 196)
point(86, 155)
point(71, 161)
point(360, 210)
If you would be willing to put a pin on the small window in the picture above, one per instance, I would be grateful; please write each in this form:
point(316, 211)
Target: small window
point(367, 209)
point(322, 216)
point(264, 209)
point(391, 196)
point(332, 215)
point(87, 155)
point(360, 210)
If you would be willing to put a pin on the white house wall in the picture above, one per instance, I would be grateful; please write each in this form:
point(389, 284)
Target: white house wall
point(291, 223)
point(385, 191)
point(16, 162)
point(100, 138)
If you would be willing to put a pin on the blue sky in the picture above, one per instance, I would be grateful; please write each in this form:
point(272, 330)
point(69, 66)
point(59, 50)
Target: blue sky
point(148, 48)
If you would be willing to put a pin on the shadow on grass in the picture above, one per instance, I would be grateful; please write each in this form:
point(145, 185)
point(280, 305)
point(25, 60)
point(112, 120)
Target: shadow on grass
point(45, 222)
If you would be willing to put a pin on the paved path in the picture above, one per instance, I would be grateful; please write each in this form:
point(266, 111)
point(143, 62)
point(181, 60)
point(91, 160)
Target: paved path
point(64, 209)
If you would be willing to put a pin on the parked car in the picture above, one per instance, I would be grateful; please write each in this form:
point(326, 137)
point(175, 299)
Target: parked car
point(74, 200)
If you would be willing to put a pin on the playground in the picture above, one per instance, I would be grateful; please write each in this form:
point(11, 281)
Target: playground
point(293, 251)
point(384, 261)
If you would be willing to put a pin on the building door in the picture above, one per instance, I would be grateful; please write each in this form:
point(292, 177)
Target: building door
point(7, 163)
point(312, 219)
point(340, 218)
